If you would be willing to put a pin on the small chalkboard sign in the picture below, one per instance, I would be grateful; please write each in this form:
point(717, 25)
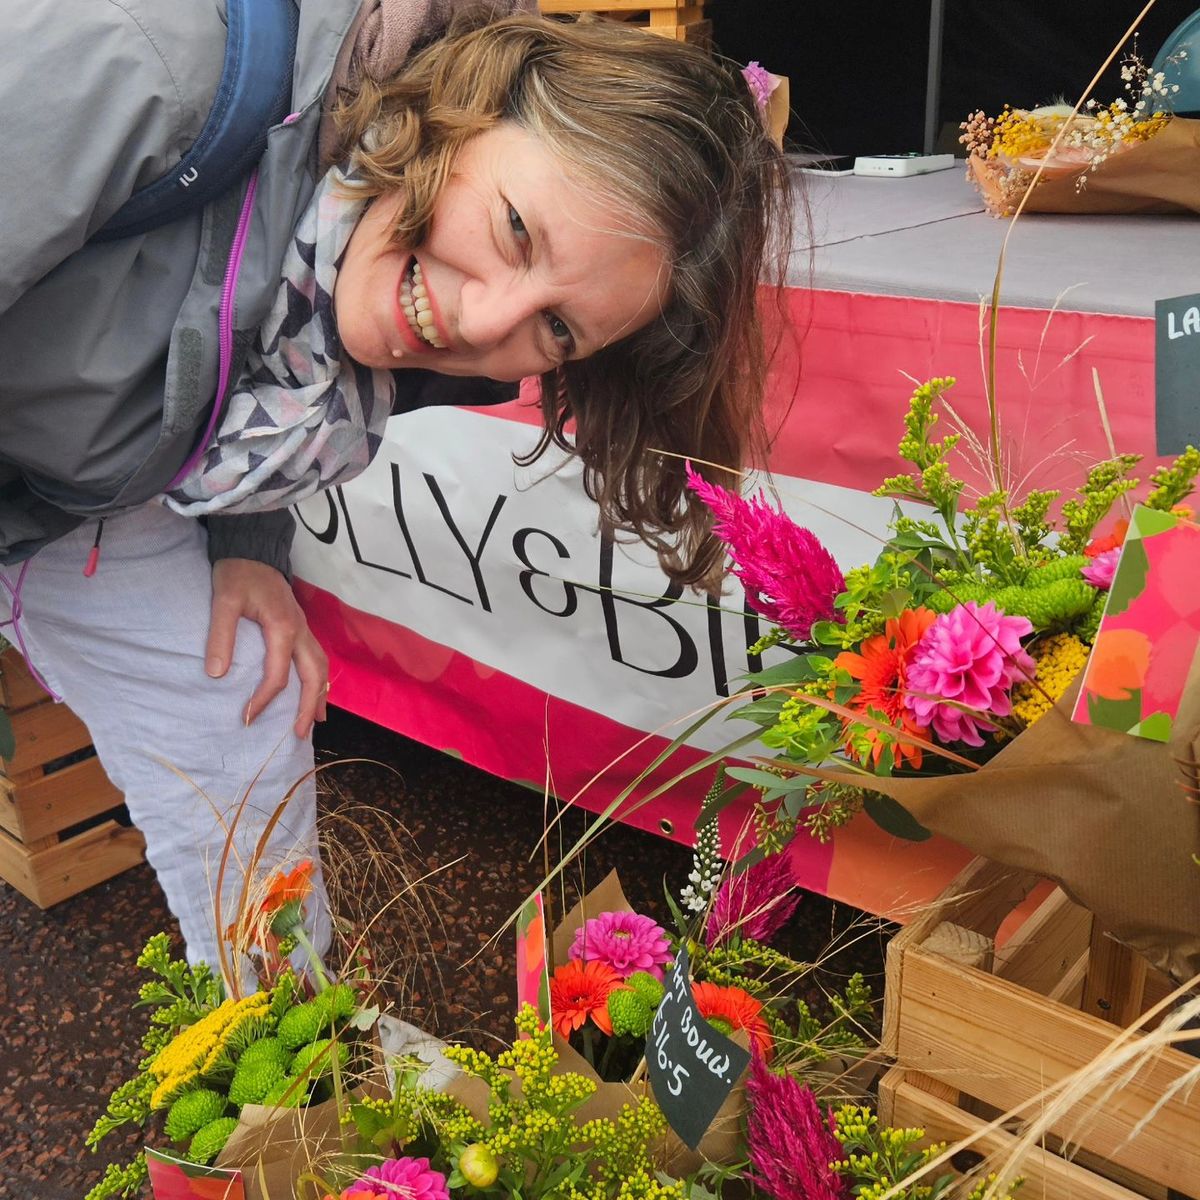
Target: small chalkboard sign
point(692, 1067)
point(1177, 373)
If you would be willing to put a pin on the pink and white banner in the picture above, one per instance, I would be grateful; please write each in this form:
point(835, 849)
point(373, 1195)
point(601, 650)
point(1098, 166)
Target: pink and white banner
point(471, 605)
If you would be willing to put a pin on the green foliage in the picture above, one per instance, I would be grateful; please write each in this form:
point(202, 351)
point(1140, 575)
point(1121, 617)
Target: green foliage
point(840, 1030)
point(1106, 483)
point(880, 1158)
point(192, 1111)
point(1174, 484)
point(210, 1141)
point(127, 1180)
point(541, 1150)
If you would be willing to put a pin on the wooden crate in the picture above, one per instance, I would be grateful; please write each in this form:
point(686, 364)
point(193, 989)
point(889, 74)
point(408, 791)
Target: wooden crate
point(979, 1027)
point(51, 844)
point(682, 20)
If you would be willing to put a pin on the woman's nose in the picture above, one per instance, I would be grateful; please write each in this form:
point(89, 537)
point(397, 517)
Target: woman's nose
point(493, 310)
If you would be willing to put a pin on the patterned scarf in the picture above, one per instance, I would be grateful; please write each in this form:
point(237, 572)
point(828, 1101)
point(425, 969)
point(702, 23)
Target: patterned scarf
point(302, 417)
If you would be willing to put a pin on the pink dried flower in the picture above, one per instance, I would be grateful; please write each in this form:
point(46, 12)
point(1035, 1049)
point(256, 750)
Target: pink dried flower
point(790, 1143)
point(789, 577)
point(626, 941)
point(1100, 570)
point(963, 670)
point(405, 1179)
point(758, 80)
point(754, 904)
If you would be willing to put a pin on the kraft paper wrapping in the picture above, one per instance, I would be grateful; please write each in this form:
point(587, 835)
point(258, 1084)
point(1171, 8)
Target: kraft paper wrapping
point(1161, 175)
point(1105, 814)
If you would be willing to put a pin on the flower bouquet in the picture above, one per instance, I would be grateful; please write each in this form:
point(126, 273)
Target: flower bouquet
point(614, 967)
point(933, 687)
point(241, 1089)
point(1130, 156)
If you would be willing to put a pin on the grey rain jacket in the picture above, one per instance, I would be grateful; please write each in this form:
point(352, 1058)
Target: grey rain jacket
point(109, 352)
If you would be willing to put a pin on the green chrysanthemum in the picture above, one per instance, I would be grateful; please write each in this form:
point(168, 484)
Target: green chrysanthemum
point(210, 1141)
point(192, 1111)
point(251, 1081)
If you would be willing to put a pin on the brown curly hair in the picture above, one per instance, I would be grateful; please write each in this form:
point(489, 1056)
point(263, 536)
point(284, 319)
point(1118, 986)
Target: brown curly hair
point(673, 136)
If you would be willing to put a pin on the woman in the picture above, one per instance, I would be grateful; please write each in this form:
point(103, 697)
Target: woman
point(581, 202)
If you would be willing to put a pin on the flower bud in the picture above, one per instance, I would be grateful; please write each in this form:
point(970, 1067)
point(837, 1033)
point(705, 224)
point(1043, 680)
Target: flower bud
point(479, 1165)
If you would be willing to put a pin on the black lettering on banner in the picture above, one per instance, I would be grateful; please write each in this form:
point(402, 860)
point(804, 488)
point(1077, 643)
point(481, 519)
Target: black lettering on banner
point(328, 535)
point(398, 505)
point(358, 556)
point(520, 544)
point(688, 658)
point(472, 557)
point(691, 1066)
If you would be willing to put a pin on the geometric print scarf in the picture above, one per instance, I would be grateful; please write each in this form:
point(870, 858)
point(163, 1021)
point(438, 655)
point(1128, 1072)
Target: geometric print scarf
point(302, 416)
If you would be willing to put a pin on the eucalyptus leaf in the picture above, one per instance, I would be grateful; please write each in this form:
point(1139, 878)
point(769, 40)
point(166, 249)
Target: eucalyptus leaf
point(892, 817)
point(757, 778)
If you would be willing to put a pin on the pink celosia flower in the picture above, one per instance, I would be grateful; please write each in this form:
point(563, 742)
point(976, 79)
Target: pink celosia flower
point(626, 941)
point(789, 577)
point(790, 1144)
point(1100, 571)
point(408, 1178)
point(758, 80)
point(963, 670)
point(754, 904)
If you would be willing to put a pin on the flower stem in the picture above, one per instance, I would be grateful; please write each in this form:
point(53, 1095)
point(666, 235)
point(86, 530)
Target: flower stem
point(314, 959)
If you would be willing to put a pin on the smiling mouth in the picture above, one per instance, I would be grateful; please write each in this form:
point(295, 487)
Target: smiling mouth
point(417, 310)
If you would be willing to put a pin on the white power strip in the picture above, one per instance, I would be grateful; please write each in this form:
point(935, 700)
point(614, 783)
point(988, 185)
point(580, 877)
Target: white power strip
point(899, 165)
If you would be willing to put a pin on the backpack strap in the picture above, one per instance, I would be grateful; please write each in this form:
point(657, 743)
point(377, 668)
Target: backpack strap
point(254, 93)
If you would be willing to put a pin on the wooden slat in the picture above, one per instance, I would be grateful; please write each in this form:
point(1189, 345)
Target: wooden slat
point(18, 688)
point(661, 17)
point(1005, 1045)
point(68, 868)
point(56, 801)
point(1047, 945)
point(1116, 980)
point(43, 733)
point(1046, 1176)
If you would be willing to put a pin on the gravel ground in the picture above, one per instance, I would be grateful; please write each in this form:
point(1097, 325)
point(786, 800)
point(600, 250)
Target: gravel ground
point(69, 1035)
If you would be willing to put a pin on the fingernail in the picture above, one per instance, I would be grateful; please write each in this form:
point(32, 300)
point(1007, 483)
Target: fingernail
point(214, 667)
point(247, 716)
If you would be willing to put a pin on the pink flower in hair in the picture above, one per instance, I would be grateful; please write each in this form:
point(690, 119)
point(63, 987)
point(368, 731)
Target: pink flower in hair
point(758, 80)
point(1102, 568)
point(789, 577)
point(625, 941)
point(963, 670)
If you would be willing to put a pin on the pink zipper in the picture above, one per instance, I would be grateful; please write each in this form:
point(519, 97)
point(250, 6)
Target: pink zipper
point(224, 328)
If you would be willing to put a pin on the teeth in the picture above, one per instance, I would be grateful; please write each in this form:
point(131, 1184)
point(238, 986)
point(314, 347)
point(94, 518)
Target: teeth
point(414, 300)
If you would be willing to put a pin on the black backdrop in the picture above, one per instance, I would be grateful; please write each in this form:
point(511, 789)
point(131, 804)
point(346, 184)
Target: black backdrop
point(857, 70)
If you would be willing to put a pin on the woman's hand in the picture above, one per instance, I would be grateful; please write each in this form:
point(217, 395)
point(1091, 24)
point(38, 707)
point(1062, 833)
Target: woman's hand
point(245, 588)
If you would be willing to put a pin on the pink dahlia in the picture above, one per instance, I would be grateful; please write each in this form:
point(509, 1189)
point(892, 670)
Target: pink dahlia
point(1100, 571)
point(758, 80)
point(625, 941)
point(963, 670)
point(789, 577)
point(410, 1178)
point(754, 904)
point(790, 1143)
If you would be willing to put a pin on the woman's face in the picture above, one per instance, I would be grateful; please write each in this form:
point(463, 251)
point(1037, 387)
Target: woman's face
point(523, 269)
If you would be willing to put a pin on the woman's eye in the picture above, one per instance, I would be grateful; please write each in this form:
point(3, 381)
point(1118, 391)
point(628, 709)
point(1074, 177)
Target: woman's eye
point(560, 331)
point(515, 223)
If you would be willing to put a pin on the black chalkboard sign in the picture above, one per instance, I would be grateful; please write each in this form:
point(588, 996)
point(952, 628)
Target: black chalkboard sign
point(1177, 373)
point(692, 1067)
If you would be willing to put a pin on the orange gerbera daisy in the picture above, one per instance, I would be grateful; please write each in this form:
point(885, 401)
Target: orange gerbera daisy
point(579, 991)
point(282, 888)
point(735, 1008)
point(880, 668)
point(1115, 539)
